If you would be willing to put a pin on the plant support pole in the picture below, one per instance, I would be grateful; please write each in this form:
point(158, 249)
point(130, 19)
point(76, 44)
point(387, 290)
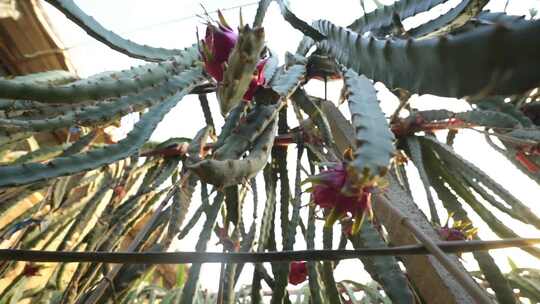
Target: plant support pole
point(251, 257)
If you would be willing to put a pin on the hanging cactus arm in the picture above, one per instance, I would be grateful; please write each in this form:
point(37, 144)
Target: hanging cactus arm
point(112, 40)
point(374, 140)
point(382, 18)
point(239, 141)
point(451, 20)
point(309, 106)
point(103, 112)
point(27, 173)
point(101, 87)
point(261, 11)
point(452, 66)
point(241, 65)
point(518, 209)
point(271, 66)
point(297, 23)
point(54, 77)
point(258, 119)
point(223, 173)
point(286, 81)
point(384, 270)
point(305, 45)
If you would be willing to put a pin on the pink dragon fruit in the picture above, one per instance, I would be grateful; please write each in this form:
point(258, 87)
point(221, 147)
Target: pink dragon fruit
point(328, 193)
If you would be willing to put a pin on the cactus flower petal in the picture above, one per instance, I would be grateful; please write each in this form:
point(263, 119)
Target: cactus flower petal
point(328, 193)
point(216, 48)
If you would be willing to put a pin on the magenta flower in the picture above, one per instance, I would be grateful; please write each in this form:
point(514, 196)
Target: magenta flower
point(298, 272)
point(217, 46)
point(328, 193)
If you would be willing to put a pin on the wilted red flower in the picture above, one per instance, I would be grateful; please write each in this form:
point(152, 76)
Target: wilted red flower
point(31, 270)
point(298, 272)
point(217, 46)
point(119, 191)
point(328, 192)
point(257, 81)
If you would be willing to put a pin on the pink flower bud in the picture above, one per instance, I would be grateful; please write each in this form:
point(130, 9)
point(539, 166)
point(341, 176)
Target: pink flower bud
point(216, 48)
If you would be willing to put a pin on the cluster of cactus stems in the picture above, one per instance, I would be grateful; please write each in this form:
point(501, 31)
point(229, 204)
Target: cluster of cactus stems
point(69, 193)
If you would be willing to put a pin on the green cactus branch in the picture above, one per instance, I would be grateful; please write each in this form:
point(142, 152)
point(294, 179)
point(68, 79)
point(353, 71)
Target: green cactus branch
point(452, 204)
point(454, 66)
point(211, 215)
point(453, 19)
point(486, 18)
point(71, 194)
point(246, 134)
point(261, 12)
point(383, 269)
point(26, 173)
point(374, 140)
point(223, 173)
point(104, 112)
point(112, 40)
point(297, 23)
point(54, 77)
point(382, 18)
point(287, 80)
point(117, 84)
point(309, 106)
point(516, 207)
point(458, 185)
point(415, 154)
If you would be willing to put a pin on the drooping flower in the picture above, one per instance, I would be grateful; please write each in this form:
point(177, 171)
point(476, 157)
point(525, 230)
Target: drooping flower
point(298, 272)
point(329, 193)
point(217, 46)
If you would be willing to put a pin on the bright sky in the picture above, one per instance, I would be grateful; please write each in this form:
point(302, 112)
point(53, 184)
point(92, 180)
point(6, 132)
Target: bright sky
point(173, 24)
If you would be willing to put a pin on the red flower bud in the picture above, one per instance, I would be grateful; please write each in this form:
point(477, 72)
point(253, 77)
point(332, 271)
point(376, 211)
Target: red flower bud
point(298, 273)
